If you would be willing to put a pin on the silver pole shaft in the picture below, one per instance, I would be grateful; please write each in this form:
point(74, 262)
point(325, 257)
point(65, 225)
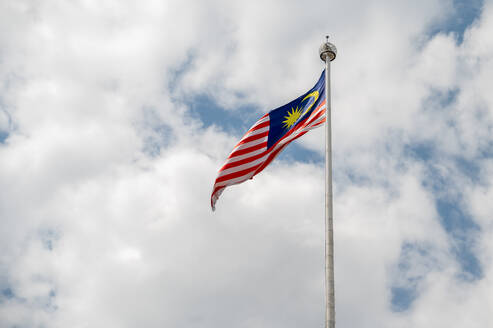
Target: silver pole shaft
point(329, 230)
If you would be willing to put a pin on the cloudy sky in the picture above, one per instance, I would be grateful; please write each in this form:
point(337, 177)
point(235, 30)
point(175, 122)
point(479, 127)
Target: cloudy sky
point(116, 115)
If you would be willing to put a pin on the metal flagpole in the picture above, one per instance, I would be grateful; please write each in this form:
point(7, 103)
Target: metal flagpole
point(328, 53)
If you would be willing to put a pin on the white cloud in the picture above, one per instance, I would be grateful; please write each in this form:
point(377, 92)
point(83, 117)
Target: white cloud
point(106, 178)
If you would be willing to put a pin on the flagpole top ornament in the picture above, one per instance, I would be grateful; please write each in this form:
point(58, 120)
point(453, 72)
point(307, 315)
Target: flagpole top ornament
point(327, 50)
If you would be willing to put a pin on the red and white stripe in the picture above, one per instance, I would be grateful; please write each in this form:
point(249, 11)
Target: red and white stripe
point(250, 156)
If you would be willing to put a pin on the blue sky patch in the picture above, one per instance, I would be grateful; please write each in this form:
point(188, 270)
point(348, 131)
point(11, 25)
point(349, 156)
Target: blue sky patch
point(297, 153)
point(7, 293)
point(465, 13)
point(156, 134)
point(455, 220)
point(3, 136)
point(4, 133)
point(461, 227)
point(404, 289)
point(205, 109)
point(402, 298)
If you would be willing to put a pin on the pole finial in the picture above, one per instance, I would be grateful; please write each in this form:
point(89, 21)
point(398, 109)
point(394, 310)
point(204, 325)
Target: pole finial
point(327, 50)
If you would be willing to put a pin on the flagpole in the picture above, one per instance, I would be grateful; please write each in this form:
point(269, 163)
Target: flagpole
point(328, 53)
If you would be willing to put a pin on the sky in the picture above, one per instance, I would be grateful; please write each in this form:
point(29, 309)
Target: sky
point(116, 115)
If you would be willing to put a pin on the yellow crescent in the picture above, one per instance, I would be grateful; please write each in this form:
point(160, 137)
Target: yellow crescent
point(314, 94)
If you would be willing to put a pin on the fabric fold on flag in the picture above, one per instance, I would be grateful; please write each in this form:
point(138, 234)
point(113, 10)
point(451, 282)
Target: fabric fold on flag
point(269, 136)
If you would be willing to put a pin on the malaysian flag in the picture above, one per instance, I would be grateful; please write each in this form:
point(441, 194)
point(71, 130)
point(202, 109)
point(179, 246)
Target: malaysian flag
point(268, 137)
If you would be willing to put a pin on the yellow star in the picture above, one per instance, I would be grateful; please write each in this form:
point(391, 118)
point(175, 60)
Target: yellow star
point(292, 117)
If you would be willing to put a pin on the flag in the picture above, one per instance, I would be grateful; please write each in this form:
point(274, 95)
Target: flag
point(269, 136)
